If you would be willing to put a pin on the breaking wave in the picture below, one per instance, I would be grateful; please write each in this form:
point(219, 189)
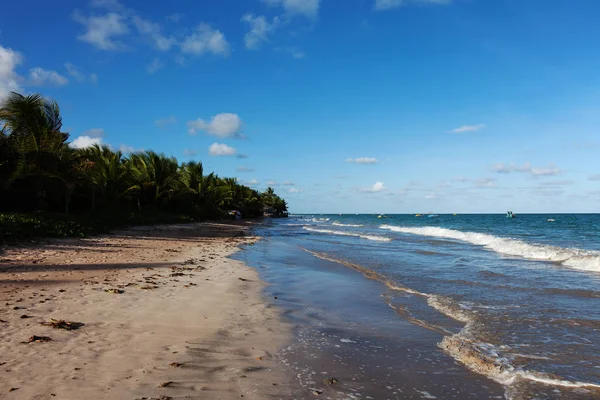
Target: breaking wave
point(349, 225)
point(584, 260)
point(342, 233)
point(466, 346)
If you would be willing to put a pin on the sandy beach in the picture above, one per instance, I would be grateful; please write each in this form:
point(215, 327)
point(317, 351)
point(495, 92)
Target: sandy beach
point(189, 323)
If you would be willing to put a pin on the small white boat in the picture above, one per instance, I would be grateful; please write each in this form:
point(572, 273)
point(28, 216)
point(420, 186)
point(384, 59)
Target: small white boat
point(551, 220)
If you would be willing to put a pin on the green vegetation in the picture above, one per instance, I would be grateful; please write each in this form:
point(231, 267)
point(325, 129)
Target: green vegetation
point(50, 189)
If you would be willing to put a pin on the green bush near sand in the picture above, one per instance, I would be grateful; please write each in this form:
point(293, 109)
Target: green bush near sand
point(16, 227)
point(50, 186)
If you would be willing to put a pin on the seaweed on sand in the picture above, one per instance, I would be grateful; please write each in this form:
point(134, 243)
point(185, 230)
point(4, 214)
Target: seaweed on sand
point(62, 324)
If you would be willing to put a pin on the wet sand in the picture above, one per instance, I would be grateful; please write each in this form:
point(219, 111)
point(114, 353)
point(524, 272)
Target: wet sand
point(190, 323)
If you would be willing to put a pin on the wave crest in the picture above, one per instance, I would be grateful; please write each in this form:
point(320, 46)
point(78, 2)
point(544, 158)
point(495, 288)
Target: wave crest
point(342, 233)
point(585, 260)
point(348, 225)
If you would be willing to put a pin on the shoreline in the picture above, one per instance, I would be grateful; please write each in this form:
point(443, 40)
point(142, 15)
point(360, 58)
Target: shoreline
point(190, 323)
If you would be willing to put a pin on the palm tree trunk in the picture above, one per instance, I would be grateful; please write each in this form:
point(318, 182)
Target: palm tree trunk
point(68, 193)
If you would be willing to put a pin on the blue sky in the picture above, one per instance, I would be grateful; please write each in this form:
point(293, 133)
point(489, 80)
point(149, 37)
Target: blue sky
point(341, 106)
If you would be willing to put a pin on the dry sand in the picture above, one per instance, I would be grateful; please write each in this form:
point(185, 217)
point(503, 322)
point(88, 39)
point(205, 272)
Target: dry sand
point(184, 302)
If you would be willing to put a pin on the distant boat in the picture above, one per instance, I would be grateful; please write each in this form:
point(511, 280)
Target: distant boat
point(433, 216)
point(509, 214)
point(551, 220)
point(418, 215)
point(382, 216)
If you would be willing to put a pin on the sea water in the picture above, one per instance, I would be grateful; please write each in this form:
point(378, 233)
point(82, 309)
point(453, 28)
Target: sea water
point(458, 306)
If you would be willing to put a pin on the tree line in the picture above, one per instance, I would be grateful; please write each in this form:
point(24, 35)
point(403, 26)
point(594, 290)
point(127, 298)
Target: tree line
point(39, 171)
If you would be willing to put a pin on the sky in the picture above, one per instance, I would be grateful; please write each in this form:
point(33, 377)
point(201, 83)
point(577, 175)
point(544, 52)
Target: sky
point(353, 106)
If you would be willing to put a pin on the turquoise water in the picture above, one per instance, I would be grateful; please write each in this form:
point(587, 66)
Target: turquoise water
point(516, 301)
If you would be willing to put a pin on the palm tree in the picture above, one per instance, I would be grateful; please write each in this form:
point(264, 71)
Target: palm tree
point(154, 177)
point(31, 126)
point(106, 175)
point(192, 175)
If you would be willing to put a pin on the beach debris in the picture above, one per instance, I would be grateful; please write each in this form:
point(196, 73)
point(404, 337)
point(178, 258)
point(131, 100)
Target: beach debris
point(317, 392)
point(3, 321)
point(330, 381)
point(38, 339)
point(244, 279)
point(13, 389)
point(176, 364)
point(117, 291)
point(62, 324)
point(166, 384)
point(25, 316)
point(62, 290)
point(173, 250)
point(275, 297)
point(148, 287)
point(177, 274)
point(190, 261)
point(259, 358)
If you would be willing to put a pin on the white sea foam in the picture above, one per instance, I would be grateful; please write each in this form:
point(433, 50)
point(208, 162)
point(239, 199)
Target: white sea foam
point(464, 346)
point(342, 233)
point(585, 260)
point(348, 225)
point(320, 219)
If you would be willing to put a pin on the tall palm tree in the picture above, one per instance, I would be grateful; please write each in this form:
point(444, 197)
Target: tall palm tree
point(192, 174)
point(154, 176)
point(31, 126)
point(106, 175)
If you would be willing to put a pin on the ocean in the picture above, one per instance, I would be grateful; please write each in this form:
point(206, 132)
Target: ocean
point(452, 307)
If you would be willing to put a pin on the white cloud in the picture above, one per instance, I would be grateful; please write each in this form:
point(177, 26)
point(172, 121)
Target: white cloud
point(288, 183)
point(152, 31)
point(175, 17)
point(164, 122)
point(220, 149)
point(595, 177)
point(271, 182)
point(125, 149)
point(294, 190)
point(253, 182)
point(244, 169)
point(260, 28)
point(362, 160)
point(83, 142)
point(468, 128)
point(108, 4)
point(205, 40)
point(387, 4)
point(9, 60)
point(190, 152)
point(431, 196)
point(551, 170)
point(94, 78)
point(307, 8)
point(292, 51)
point(382, 5)
point(485, 183)
point(377, 187)
point(155, 66)
point(41, 77)
point(557, 183)
point(94, 133)
point(222, 125)
point(75, 72)
point(103, 31)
